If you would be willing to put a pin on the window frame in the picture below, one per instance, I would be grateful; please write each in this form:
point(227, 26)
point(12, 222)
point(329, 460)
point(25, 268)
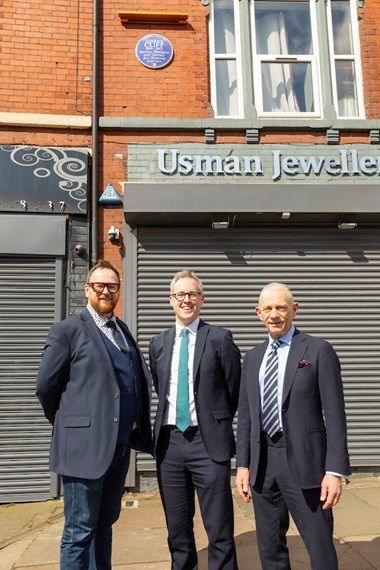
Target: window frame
point(313, 59)
point(322, 61)
point(355, 58)
point(237, 57)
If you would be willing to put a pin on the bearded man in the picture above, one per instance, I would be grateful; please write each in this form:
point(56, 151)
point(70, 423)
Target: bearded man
point(94, 387)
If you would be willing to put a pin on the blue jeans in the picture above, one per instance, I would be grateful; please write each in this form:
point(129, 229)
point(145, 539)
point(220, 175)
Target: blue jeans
point(91, 507)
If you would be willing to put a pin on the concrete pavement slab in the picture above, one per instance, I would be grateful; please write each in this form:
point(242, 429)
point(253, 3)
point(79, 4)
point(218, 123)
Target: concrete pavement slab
point(43, 549)
point(143, 566)
point(347, 521)
point(369, 495)
point(140, 537)
point(10, 555)
point(18, 519)
point(363, 552)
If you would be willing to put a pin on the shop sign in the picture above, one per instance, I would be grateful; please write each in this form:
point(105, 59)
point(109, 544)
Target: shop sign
point(343, 163)
point(49, 180)
point(154, 51)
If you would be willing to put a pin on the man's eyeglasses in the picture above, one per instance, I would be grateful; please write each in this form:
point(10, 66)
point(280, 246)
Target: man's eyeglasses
point(99, 287)
point(181, 296)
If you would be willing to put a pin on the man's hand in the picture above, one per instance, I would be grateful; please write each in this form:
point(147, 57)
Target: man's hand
point(242, 484)
point(331, 490)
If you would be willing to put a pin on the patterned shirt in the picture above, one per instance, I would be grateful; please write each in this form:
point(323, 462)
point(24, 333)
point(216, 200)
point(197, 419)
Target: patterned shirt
point(101, 322)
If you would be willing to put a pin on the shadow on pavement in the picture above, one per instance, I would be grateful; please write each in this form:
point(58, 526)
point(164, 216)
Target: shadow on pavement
point(352, 555)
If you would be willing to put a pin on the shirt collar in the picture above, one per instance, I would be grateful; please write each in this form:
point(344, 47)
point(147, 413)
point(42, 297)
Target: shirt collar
point(286, 339)
point(100, 319)
point(192, 327)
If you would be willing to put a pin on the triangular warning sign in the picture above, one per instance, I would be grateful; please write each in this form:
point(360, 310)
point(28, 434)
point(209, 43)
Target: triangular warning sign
point(110, 196)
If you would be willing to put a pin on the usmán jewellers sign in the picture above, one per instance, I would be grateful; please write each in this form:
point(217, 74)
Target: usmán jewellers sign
point(275, 164)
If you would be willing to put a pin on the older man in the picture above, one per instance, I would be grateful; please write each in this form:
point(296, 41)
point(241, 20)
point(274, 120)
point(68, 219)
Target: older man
point(291, 438)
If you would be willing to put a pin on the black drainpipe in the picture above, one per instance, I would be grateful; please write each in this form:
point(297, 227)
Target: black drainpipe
point(94, 132)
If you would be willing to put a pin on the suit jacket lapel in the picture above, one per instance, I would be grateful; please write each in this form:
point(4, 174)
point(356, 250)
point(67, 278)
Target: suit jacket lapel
point(202, 332)
point(296, 352)
point(130, 339)
point(126, 331)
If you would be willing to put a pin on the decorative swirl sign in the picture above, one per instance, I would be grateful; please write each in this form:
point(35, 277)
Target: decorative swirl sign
point(44, 179)
point(154, 51)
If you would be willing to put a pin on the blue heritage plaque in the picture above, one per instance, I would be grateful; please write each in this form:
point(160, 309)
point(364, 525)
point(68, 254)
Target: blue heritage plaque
point(154, 51)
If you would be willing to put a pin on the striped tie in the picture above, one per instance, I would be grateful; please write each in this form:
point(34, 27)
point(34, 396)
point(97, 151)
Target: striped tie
point(271, 421)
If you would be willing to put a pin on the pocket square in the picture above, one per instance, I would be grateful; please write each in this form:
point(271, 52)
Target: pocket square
point(303, 363)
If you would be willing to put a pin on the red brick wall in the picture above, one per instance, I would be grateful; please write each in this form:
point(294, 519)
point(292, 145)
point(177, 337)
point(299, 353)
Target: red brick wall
point(45, 55)
point(179, 90)
point(369, 18)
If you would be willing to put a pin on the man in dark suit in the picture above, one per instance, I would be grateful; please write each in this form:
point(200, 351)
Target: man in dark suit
point(194, 443)
point(94, 387)
point(291, 438)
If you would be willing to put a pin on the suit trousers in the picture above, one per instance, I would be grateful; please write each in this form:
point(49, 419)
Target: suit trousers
point(274, 495)
point(183, 468)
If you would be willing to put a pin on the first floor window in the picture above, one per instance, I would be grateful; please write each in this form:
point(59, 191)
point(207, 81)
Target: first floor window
point(284, 57)
point(226, 68)
point(345, 61)
point(292, 54)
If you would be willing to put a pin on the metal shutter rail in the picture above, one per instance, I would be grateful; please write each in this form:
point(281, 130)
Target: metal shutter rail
point(27, 300)
point(335, 275)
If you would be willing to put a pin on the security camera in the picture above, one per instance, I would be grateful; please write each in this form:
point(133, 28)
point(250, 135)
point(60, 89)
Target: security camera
point(113, 233)
point(80, 250)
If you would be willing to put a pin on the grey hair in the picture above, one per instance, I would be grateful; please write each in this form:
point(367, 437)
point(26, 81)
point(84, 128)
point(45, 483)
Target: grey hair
point(186, 274)
point(276, 286)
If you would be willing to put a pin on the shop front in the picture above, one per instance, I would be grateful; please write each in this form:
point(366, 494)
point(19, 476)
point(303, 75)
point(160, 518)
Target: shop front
point(306, 215)
point(43, 263)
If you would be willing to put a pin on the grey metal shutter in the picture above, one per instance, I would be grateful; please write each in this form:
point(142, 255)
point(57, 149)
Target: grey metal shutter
point(27, 309)
point(335, 276)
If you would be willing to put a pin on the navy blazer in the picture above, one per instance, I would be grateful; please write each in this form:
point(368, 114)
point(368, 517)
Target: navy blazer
point(80, 396)
point(217, 371)
point(313, 414)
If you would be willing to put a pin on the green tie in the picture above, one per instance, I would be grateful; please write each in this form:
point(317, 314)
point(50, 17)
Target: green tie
point(182, 409)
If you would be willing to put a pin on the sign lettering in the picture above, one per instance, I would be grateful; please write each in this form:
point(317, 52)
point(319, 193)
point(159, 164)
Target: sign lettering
point(345, 163)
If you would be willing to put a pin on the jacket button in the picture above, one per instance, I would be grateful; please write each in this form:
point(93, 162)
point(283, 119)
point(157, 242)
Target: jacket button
point(116, 396)
point(116, 420)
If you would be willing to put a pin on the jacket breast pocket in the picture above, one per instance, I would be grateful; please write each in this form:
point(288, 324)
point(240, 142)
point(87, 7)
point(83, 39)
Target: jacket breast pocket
point(76, 421)
point(222, 414)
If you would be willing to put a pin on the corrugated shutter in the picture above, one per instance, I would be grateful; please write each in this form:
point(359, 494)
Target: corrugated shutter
point(335, 276)
point(27, 309)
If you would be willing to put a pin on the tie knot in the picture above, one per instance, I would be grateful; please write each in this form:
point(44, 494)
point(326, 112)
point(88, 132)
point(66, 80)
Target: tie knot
point(185, 332)
point(276, 344)
point(111, 325)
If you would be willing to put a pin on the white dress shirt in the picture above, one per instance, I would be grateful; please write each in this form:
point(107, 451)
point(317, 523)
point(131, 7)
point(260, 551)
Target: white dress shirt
point(171, 396)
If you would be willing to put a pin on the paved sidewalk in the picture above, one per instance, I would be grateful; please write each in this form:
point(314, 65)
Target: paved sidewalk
point(30, 533)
